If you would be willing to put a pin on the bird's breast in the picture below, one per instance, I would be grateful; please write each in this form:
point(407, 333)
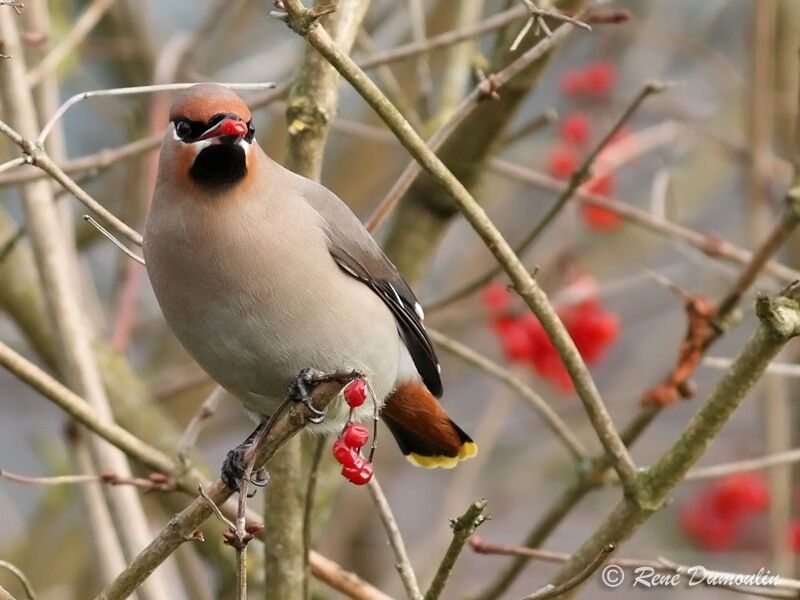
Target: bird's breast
point(254, 296)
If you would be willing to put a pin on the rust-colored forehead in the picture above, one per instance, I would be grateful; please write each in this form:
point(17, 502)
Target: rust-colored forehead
point(203, 101)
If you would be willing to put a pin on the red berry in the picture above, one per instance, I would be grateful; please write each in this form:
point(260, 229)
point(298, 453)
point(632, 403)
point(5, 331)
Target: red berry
point(355, 436)
point(515, 340)
point(575, 129)
point(573, 83)
point(359, 474)
point(600, 77)
point(602, 185)
point(794, 536)
point(344, 454)
point(592, 329)
point(563, 163)
point(496, 297)
point(356, 393)
point(599, 218)
point(707, 528)
point(742, 493)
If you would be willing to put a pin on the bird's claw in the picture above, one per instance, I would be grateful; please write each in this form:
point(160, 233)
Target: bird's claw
point(301, 387)
point(235, 465)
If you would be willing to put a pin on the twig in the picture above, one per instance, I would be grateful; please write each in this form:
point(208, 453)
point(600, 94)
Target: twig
point(443, 40)
point(779, 322)
point(111, 238)
point(188, 520)
point(781, 231)
point(525, 285)
point(544, 118)
point(575, 181)
point(776, 368)
point(36, 156)
point(13, 164)
point(311, 105)
point(7, 247)
point(402, 561)
point(537, 16)
point(463, 528)
point(17, 5)
point(16, 572)
point(132, 91)
point(661, 564)
point(157, 481)
point(57, 263)
point(322, 568)
point(310, 501)
point(712, 246)
point(467, 106)
point(76, 34)
point(552, 591)
point(198, 420)
point(542, 408)
point(785, 457)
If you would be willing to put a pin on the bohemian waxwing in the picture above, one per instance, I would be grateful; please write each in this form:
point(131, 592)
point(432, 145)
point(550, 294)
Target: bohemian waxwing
point(262, 273)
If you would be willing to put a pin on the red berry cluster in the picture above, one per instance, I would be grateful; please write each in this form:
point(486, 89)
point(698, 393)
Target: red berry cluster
point(347, 447)
point(591, 82)
point(716, 516)
point(524, 340)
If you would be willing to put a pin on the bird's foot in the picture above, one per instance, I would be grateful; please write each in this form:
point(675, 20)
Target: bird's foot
point(235, 464)
point(301, 387)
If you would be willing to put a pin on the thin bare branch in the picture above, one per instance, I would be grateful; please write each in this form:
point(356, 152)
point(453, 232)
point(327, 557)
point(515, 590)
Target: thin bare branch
point(463, 528)
point(542, 408)
point(21, 577)
point(402, 561)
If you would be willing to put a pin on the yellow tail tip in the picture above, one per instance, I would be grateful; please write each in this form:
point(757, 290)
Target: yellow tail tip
point(466, 451)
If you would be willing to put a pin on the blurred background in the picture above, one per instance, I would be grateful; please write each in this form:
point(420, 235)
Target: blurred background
point(710, 153)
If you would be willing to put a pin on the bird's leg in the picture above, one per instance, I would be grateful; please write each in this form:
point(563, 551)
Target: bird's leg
point(235, 463)
point(302, 385)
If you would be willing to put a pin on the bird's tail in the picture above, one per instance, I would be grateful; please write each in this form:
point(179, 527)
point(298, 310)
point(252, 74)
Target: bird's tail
point(423, 430)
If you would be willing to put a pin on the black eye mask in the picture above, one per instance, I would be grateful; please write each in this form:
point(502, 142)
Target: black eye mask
point(189, 131)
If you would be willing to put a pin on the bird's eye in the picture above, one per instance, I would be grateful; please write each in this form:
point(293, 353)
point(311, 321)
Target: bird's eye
point(251, 132)
point(182, 129)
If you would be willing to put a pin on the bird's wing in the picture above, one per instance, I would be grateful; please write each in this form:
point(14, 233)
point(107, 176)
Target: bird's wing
point(357, 254)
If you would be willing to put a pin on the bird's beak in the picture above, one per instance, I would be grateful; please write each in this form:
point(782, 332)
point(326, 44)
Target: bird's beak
point(227, 127)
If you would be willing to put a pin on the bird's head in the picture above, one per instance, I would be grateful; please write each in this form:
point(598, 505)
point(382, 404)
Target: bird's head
point(209, 140)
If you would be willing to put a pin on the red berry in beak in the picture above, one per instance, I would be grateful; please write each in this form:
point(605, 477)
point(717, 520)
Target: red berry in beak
point(355, 436)
point(344, 454)
point(356, 393)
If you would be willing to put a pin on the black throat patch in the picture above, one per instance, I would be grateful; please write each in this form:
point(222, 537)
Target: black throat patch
point(219, 165)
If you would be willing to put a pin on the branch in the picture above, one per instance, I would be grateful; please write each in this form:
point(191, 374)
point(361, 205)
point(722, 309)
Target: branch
point(779, 321)
point(466, 108)
point(662, 564)
point(403, 563)
point(182, 525)
point(322, 568)
point(57, 263)
point(463, 528)
point(16, 572)
point(542, 408)
point(444, 40)
point(576, 180)
point(525, 285)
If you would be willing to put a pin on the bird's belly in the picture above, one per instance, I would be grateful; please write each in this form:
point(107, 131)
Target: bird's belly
point(253, 336)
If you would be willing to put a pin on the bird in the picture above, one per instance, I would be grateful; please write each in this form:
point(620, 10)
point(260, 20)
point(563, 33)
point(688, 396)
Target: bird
point(263, 275)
